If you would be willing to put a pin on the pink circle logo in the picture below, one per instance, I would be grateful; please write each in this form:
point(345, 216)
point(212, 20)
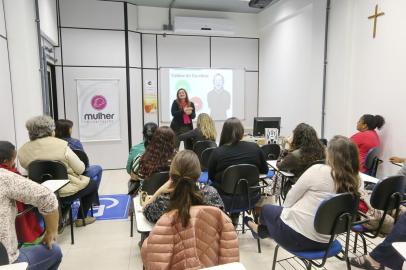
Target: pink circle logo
point(99, 102)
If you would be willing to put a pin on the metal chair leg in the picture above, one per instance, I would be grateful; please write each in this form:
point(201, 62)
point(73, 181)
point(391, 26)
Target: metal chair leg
point(364, 242)
point(275, 255)
point(132, 224)
point(72, 237)
point(348, 263)
point(243, 225)
point(259, 245)
point(355, 243)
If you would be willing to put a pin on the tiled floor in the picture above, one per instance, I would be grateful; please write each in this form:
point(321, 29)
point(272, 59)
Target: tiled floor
point(108, 245)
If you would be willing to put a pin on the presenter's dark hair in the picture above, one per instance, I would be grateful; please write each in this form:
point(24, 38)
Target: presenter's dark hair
point(373, 121)
point(186, 99)
point(7, 151)
point(62, 128)
point(148, 131)
point(232, 131)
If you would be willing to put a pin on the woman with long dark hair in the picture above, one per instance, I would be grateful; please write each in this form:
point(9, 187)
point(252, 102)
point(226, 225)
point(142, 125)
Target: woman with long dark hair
point(185, 167)
point(158, 154)
point(367, 137)
point(305, 149)
point(291, 225)
point(183, 112)
point(233, 151)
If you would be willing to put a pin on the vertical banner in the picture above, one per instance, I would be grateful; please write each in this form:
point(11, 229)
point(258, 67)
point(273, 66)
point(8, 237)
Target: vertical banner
point(98, 110)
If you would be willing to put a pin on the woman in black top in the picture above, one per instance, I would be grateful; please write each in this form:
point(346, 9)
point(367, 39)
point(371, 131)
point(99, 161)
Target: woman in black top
point(205, 130)
point(233, 151)
point(183, 112)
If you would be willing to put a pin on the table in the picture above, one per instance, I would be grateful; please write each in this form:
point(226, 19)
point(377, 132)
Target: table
point(397, 164)
point(272, 163)
point(368, 178)
point(142, 224)
point(15, 266)
point(400, 248)
point(233, 266)
point(55, 185)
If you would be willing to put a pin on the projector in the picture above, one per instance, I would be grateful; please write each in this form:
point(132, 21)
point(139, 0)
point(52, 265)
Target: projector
point(260, 3)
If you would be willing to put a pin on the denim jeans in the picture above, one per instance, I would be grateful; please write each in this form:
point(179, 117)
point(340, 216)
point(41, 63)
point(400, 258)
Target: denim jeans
point(39, 257)
point(94, 172)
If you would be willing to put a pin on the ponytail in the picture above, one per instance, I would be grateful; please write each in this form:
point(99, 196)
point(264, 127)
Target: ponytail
point(373, 121)
point(184, 196)
point(379, 121)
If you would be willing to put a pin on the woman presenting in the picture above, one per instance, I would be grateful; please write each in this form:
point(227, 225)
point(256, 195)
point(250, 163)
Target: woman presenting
point(183, 112)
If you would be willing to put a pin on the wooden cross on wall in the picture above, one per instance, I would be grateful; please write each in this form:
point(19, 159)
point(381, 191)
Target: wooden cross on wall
point(375, 17)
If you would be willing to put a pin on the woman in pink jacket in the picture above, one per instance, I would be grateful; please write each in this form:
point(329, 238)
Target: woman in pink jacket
point(191, 235)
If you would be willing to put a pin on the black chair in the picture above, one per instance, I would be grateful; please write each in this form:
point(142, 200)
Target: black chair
point(200, 146)
point(241, 182)
point(43, 170)
point(372, 161)
point(3, 255)
point(271, 151)
point(205, 157)
point(323, 141)
point(333, 217)
point(82, 156)
point(149, 186)
point(386, 196)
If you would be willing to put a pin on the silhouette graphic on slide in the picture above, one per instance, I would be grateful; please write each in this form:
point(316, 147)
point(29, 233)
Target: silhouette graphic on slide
point(218, 99)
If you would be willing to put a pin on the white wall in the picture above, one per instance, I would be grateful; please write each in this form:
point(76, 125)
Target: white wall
point(7, 133)
point(291, 62)
point(24, 64)
point(366, 75)
point(48, 20)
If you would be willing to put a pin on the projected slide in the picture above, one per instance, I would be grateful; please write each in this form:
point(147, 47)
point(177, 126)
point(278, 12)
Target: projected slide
point(217, 92)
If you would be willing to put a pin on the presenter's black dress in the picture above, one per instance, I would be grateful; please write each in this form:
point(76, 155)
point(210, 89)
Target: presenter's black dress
point(177, 124)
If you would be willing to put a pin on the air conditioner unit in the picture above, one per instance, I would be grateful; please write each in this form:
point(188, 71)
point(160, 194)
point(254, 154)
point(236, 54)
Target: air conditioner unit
point(203, 26)
point(260, 3)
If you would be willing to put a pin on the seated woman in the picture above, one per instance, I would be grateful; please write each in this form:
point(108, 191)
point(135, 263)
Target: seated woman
point(205, 130)
point(157, 156)
point(13, 188)
point(291, 225)
point(233, 151)
point(27, 226)
point(185, 164)
point(63, 130)
point(191, 235)
point(367, 138)
point(305, 149)
point(44, 146)
point(139, 149)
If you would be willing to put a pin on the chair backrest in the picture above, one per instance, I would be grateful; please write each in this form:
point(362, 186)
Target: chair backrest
point(43, 170)
point(82, 156)
point(151, 184)
point(200, 146)
point(237, 178)
point(271, 151)
point(388, 192)
point(323, 141)
point(205, 157)
point(371, 161)
point(331, 215)
point(3, 255)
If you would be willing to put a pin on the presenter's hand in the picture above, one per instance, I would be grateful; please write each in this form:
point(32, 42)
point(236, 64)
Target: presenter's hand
point(188, 110)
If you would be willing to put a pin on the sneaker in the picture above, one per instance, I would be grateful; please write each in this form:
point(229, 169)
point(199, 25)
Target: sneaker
point(88, 220)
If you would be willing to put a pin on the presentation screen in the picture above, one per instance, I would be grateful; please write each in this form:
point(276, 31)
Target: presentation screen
point(217, 92)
